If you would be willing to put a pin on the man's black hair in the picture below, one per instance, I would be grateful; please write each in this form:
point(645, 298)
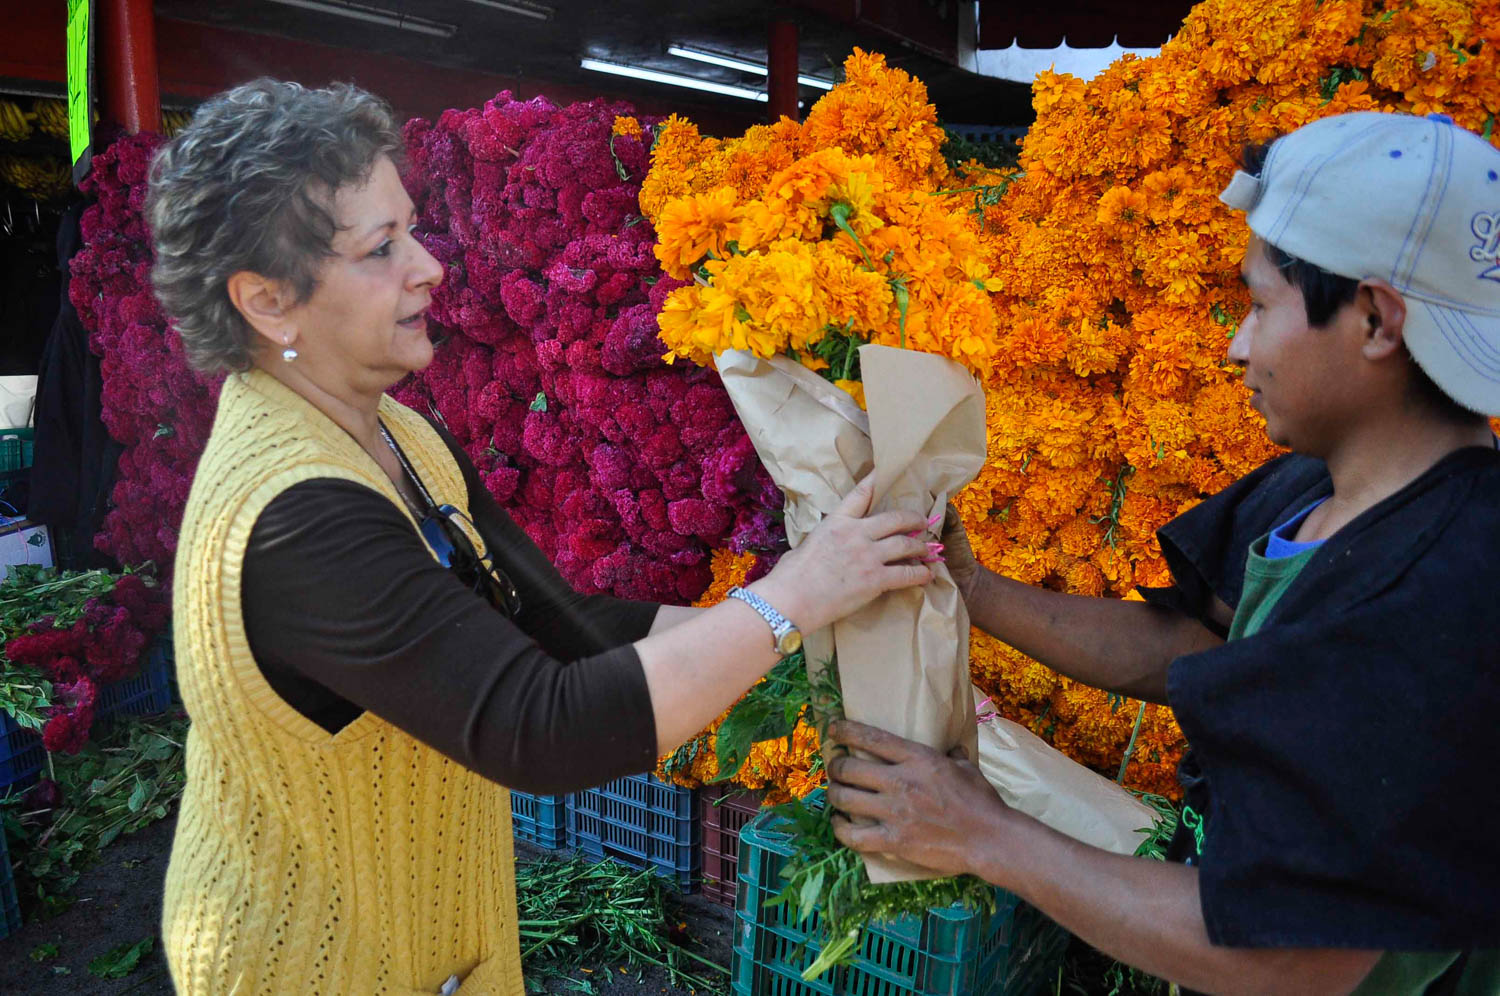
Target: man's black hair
point(1324, 293)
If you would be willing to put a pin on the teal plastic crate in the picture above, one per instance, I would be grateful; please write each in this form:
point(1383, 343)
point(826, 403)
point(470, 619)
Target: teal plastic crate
point(15, 449)
point(10, 902)
point(641, 822)
point(946, 952)
point(539, 819)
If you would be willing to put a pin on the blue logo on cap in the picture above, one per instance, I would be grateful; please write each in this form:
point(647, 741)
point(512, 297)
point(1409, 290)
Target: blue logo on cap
point(1486, 227)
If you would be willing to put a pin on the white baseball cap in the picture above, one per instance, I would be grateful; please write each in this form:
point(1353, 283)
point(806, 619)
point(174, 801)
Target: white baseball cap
point(1411, 200)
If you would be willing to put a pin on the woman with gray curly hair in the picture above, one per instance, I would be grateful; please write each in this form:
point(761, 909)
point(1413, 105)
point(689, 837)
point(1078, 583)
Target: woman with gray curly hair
point(368, 646)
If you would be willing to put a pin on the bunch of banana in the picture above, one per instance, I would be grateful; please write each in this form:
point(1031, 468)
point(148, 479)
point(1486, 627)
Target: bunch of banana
point(43, 179)
point(174, 121)
point(52, 117)
point(15, 125)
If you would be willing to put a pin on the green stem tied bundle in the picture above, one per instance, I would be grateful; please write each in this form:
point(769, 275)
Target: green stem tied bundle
point(822, 875)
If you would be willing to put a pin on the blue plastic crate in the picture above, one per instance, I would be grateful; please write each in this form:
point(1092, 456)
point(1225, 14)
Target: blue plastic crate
point(946, 952)
point(148, 693)
point(10, 902)
point(641, 822)
point(539, 819)
point(21, 755)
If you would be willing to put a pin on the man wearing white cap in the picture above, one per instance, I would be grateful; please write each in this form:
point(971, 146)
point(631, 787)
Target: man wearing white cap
point(1330, 643)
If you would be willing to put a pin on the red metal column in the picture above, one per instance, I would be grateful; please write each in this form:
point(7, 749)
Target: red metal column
point(127, 64)
point(781, 89)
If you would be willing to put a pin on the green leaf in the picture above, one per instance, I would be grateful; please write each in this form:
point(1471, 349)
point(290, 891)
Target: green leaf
point(137, 797)
point(539, 403)
point(44, 952)
point(120, 960)
point(812, 890)
point(164, 431)
point(769, 711)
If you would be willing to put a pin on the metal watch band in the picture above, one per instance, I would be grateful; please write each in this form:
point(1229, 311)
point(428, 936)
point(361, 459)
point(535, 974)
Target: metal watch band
point(779, 623)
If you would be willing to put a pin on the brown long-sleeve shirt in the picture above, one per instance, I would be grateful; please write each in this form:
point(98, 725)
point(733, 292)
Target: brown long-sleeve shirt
point(346, 610)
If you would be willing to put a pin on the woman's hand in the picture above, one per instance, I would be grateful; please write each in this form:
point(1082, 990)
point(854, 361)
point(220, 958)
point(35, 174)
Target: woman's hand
point(958, 554)
point(847, 561)
point(912, 802)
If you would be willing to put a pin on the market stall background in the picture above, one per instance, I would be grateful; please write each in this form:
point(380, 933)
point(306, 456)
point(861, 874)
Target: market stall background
point(1110, 410)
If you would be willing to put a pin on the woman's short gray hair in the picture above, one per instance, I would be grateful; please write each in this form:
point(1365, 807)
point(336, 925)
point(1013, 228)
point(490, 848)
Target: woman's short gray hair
point(248, 185)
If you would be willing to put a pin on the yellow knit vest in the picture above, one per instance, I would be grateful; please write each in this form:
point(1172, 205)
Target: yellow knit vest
point(304, 862)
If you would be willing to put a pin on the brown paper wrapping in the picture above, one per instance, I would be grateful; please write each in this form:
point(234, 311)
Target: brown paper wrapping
point(1042, 782)
point(904, 658)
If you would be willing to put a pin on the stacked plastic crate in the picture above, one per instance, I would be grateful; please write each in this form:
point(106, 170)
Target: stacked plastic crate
point(723, 812)
point(641, 822)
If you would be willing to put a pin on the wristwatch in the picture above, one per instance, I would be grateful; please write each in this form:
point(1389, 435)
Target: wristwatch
point(787, 636)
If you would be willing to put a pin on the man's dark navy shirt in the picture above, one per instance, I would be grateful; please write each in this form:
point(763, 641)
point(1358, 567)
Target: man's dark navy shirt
point(1343, 758)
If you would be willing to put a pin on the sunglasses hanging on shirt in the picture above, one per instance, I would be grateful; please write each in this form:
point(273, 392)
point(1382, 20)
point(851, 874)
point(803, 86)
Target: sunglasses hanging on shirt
point(442, 528)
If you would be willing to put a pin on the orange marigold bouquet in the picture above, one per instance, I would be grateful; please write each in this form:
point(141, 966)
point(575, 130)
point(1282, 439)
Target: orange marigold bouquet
point(830, 273)
point(811, 240)
point(1111, 408)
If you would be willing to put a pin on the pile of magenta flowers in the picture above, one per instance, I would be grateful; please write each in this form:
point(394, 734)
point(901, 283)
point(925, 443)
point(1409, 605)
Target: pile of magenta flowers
point(86, 645)
point(153, 404)
point(626, 471)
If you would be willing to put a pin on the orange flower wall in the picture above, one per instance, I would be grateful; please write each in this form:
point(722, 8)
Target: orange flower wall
point(1112, 410)
point(1115, 281)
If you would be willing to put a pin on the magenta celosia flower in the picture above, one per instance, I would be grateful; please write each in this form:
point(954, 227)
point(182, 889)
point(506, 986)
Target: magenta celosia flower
point(152, 403)
point(70, 717)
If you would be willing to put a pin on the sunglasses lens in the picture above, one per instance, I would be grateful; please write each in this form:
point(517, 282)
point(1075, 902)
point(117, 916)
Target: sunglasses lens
point(435, 532)
point(455, 552)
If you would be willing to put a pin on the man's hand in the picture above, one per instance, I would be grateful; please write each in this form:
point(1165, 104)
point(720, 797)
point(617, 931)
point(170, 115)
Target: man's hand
point(932, 809)
point(958, 554)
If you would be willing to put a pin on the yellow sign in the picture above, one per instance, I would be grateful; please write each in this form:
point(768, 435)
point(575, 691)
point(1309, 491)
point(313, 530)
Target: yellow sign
point(80, 74)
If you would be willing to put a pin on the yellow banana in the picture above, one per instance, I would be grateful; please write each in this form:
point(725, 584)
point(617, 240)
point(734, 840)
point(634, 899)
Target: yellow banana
point(14, 125)
point(52, 117)
point(41, 178)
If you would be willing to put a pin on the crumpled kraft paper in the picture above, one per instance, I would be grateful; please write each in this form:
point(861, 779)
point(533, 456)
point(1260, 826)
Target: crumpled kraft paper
point(904, 658)
point(1042, 782)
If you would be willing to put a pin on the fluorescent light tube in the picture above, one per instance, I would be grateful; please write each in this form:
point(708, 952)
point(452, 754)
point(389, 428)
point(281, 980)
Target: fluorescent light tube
point(671, 79)
point(539, 11)
point(375, 15)
point(745, 67)
point(716, 60)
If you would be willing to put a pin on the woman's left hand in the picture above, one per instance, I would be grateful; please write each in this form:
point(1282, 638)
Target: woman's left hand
point(929, 808)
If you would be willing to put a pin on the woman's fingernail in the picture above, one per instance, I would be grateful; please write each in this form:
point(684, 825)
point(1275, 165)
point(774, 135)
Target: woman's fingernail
point(934, 520)
point(935, 547)
point(915, 533)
